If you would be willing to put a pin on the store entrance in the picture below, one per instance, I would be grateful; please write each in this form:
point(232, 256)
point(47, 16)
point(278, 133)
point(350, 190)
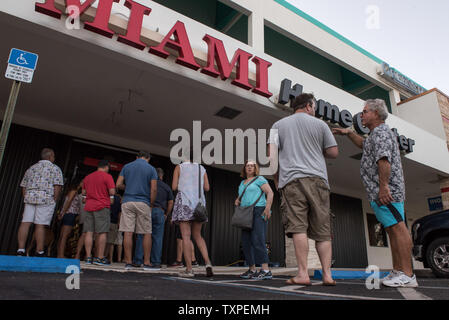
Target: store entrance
point(83, 158)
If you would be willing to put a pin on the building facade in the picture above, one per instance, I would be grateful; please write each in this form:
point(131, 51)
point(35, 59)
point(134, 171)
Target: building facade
point(117, 76)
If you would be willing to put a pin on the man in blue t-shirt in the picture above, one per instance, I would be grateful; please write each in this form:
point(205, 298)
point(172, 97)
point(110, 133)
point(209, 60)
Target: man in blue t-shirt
point(162, 208)
point(139, 180)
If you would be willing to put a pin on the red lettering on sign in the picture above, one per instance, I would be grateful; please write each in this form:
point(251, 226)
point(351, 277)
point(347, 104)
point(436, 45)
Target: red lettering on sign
point(48, 8)
point(101, 21)
point(77, 3)
point(217, 53)
point(262, 77)
point(135, 22)
point(181, 44)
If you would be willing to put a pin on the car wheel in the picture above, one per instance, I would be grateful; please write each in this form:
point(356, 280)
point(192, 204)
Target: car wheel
point(438, 257)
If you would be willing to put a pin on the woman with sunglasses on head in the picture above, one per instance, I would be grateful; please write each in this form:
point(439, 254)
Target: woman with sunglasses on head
point(255, 189)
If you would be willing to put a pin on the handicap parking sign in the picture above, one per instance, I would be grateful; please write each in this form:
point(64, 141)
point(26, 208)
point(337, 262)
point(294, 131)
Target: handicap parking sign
point(21, 65)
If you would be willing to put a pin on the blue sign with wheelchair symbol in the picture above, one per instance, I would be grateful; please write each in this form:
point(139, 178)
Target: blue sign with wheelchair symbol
point(23, 59)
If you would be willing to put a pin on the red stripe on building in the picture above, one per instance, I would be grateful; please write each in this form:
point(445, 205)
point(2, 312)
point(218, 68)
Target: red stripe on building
point(444, 190)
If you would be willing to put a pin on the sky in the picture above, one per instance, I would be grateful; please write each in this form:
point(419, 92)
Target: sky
point(412, 36)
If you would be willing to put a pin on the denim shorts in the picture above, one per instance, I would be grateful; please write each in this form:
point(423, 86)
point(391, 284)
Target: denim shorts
point(390, 214)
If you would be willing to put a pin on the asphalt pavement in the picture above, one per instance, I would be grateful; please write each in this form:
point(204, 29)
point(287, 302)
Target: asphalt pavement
point(102, 283)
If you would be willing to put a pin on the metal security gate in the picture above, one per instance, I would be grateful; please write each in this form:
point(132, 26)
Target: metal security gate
point(349, 243)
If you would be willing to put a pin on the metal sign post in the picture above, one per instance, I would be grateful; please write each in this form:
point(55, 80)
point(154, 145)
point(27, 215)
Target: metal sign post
point(8, 117)
point(21, 66)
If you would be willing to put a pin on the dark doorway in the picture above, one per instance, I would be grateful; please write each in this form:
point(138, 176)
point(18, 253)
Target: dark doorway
point(349, 243)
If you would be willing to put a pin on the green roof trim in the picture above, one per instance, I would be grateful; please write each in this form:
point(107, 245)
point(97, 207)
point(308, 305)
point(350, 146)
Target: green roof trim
point(322, 26)
point(327, 29)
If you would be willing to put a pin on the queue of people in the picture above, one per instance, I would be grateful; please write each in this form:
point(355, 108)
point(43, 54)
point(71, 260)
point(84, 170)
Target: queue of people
point(298, 144)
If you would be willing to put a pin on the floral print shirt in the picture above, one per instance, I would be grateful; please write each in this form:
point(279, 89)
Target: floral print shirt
point(382, 143)
point(39, 181)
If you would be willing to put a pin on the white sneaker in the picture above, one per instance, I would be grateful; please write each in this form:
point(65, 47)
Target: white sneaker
point(186, 274)
point(401, 280)
point(389, 276)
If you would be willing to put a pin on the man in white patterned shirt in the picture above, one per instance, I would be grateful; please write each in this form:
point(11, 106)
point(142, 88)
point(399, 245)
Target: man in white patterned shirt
point(41, 187)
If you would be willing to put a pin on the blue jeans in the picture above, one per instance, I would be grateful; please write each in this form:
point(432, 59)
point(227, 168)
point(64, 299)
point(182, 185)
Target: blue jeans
point(157, 237)
point(253, 241)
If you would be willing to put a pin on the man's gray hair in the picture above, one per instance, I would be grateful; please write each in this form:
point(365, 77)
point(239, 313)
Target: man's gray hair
point(378, 105)
point(160, 172)
point(46, 153)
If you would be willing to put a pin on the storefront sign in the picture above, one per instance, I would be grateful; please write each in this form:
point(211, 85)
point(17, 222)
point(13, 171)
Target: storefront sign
point(333, 114)
point(435, 203)
point(176, 40)
point(398, 78)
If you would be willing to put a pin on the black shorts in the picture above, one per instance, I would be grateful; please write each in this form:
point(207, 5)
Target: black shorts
point(69, 219)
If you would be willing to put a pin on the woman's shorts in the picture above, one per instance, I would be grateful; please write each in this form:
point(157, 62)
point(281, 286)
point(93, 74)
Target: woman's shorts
point(69, 219)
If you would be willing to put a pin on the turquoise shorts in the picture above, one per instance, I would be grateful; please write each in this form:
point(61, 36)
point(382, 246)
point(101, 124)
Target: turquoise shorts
point(390, 214)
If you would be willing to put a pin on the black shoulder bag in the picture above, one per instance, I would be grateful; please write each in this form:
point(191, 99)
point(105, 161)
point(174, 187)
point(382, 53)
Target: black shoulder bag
point(200, 213)
point(243, 216)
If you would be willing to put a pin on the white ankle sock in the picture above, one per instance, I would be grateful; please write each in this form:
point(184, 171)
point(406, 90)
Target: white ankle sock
point(21, 250)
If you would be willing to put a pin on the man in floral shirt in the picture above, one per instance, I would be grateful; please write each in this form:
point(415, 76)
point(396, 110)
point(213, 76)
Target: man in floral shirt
point(381, 172)
point(41, 187)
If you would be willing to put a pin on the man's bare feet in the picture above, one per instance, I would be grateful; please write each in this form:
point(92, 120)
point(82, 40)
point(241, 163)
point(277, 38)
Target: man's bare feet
point(299, 281)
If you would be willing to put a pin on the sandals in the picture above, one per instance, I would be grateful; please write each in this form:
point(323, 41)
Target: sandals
point(292, 281)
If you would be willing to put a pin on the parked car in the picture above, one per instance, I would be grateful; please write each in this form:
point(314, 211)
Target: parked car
point(431, 242)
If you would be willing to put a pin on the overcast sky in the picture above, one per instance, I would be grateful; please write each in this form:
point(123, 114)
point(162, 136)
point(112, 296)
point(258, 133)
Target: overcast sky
point(411, 35)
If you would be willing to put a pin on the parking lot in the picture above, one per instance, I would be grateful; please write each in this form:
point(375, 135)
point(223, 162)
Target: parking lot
point(115, 283)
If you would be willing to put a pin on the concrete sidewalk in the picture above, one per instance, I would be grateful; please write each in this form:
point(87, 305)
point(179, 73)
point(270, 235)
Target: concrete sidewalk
point(221, 270)
point(218, 270)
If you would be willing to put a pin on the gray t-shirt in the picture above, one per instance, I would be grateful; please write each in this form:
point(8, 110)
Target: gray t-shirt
point(301, 140)
point(382, 143)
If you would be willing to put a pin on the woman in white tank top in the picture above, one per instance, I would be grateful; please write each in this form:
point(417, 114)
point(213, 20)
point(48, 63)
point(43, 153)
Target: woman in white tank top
point(185, 180)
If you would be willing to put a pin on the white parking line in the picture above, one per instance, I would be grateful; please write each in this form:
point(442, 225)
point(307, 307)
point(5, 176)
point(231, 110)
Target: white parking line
point(412, 294)
point(420, 286)
point(289, 289)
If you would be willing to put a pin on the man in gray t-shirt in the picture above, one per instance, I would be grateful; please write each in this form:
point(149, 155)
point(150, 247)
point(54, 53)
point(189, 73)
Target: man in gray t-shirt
point(301, 142)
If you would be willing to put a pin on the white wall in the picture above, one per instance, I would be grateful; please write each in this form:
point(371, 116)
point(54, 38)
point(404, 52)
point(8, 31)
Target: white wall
point(425, 113)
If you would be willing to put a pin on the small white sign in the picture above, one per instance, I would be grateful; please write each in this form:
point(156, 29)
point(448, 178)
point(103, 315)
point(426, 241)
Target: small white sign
point(19, 73)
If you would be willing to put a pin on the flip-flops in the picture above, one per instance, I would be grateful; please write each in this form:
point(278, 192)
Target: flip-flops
point(330, 284)
point(292, 281)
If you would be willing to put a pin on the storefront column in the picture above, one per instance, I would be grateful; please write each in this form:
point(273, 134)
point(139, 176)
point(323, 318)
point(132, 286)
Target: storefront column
point(313, 260)
point(395, 98)
point(444, 184)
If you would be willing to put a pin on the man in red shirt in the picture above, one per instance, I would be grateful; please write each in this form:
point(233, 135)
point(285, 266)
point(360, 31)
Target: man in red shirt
point(99, 189)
